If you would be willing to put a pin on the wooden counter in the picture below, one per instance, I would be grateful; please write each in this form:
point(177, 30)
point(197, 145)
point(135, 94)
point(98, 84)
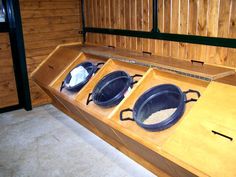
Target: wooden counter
point(189, 148)
point(205, 71)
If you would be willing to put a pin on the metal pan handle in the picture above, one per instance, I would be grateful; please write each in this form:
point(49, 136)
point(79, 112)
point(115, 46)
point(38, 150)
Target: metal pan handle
point(99, 64)
point(89, 99)
point(136, 75)
point(192, 91)
point(126, 118)
point(62, 86)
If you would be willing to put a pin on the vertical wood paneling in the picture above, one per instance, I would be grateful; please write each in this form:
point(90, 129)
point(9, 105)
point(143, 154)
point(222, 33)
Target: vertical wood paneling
point(167, 25)
point(92, 20)
point(183, 27)
point(139, 23)
point(202, 27)
point(232, 27)
point(192, 21)
point(159, 43)
point(202, 17)
point(231, 58)
point(117, 20)
point(224, 18)
point(112, 15)
point(212, 30)
point(87, 15)
point(122, 22)
point(128, 21)
point(195, 17)
point(133, 8)
point(213, 15)
point(107, 19)
point(145, 25)
point(152, 42)
point(175, 27)
point(192, 28)
point(99, 20)
point(96, 19)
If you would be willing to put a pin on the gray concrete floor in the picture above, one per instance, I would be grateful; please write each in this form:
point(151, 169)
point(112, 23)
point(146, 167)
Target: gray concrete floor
point(47, 143)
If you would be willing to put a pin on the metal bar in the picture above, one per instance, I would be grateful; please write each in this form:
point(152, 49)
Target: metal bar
point(83, 22)
point(10, 108)
point(213, 41)
point(18, 53)
point(154, 16)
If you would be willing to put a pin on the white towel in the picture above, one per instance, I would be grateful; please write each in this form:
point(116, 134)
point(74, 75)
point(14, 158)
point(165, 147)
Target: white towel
point(78, 75)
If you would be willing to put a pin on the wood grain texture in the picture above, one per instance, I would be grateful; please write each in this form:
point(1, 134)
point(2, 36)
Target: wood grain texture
point(175, 27)
point(173, 151)
point(46, 24)
point(8, 91)
point(167, 26)
point(195, 143)
point(167, 63)
point(214, 18)
point(159, 43)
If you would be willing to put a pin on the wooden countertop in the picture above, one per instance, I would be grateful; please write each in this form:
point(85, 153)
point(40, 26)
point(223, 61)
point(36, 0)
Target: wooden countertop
point(231, 80)
point(208, 72)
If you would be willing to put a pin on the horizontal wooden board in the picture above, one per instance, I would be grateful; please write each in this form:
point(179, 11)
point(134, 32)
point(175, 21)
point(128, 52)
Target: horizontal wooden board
point(46, 24)
point(166, 63)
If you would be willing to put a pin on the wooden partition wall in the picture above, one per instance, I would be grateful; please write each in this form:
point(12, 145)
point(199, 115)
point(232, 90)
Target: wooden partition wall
point(213, 18)
point(46, 24)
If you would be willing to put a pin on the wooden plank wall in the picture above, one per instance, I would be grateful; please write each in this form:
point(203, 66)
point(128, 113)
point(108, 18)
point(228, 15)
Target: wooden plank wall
point(8, 93)
point(214, 18)
point(46, 24)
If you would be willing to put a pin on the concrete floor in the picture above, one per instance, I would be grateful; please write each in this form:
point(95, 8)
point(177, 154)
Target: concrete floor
point(47, 143)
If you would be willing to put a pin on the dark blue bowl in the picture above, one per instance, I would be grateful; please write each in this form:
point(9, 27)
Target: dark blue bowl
point(91, 69)
point(159, 98)
point(110, 90)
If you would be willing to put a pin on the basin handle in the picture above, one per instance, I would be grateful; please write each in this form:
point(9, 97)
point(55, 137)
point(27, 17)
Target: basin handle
point(127, 118)
point(136, 75)
point(196, 61)
point(99, 64)
point(89, 99)
point(192, 91)
point(62, 86)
